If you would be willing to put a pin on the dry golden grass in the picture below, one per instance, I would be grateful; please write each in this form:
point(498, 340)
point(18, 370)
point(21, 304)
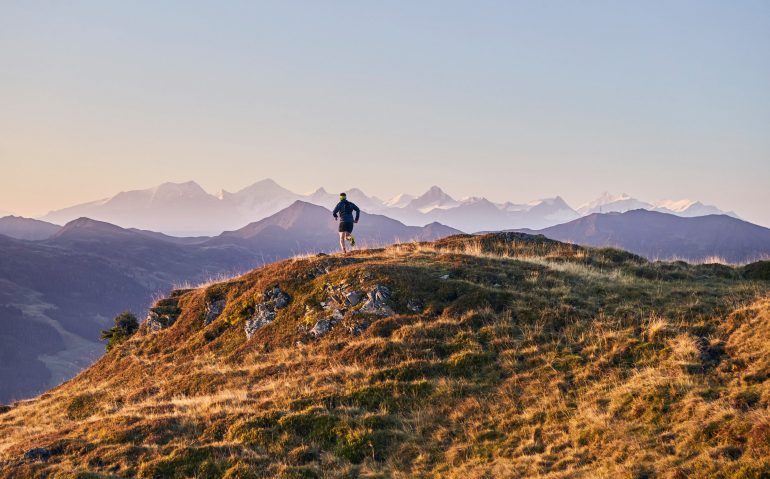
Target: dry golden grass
point(529, 358)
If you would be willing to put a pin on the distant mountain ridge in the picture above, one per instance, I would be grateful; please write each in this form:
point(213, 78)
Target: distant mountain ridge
point(663, 236)
point(308, 228)
point(26, 228)
point(610, 203)
point(185, 209)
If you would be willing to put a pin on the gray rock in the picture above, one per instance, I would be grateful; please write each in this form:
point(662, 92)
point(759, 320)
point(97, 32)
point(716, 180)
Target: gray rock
point(377, 302)
point(213, 310)
point(251, 327)
point(354, 297)
point(322, 326)
point(415, 305)
point(163, 313)
point(282, 301)
point(331, 305)
point(264, 314)
point(153, 321)
point(337, 315)
point(319, 270)
point(380, 293)
point(156, 321)
point(279, 297)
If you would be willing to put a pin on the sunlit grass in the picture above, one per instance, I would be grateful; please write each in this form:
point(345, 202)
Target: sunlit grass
point(526, 359)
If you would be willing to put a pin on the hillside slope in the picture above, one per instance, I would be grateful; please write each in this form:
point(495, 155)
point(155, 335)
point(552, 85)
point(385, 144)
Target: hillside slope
point(499, 356)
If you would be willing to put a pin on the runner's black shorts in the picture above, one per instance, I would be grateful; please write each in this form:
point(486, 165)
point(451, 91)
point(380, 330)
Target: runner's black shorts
point(346, 227)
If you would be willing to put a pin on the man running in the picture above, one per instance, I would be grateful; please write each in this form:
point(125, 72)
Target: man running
point(345, 210)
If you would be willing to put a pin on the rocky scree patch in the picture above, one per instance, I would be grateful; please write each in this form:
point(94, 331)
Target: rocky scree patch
point(273, 299)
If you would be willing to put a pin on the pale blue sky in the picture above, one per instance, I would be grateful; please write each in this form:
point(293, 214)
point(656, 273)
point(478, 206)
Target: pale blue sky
point(510, 100)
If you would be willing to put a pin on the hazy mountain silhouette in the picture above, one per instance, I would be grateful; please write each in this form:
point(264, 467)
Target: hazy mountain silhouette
point(307, 228)
point(173, 208)
point(689, 208)
point(656, 235)
point(27, 228)
point(399, 201)
point(185, 209)
point(259, 200)
point(609, 203)
point(431, 199)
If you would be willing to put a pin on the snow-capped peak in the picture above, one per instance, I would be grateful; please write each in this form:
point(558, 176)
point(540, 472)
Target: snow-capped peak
point(399, 201)
point(604, 199)
point(432, 199)
point(675, 205)
point(469, 200)
point(177, 190)
point(608, 202)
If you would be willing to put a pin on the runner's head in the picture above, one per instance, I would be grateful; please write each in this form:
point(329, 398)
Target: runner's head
point(343, 196)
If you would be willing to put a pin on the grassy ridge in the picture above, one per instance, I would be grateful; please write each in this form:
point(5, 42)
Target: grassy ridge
point(508, 356)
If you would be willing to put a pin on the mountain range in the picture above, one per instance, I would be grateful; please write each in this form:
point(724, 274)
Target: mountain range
point(61, 285)
point(26, 228)
point(661, 236)
point(186, 209)
point(609, 203)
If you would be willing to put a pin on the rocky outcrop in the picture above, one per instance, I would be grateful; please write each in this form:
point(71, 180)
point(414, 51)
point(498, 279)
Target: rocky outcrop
point(277, 297)
point(415, 305)
point(321, 327)
point(354, 297)
point(263, 315)
point(320, 269)
point(273, 299)
point(163, 313)
point(340, 301)
point(213, 310)
point(377, 302)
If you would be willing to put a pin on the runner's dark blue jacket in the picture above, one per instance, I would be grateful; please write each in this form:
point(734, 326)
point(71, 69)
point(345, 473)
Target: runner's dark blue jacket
point(345, 209)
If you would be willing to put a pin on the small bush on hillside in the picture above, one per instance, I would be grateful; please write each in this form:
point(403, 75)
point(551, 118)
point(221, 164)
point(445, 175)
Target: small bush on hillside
point(126, 325)
point(82, 406)
point(758, 270)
